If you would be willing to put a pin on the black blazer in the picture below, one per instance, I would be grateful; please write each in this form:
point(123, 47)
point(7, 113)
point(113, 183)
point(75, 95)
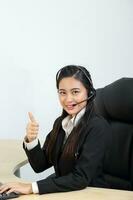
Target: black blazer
point(86, 169)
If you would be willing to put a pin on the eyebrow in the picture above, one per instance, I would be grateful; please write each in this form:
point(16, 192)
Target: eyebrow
point(70, 89)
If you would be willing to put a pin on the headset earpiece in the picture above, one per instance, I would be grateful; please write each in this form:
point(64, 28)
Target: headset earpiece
point(92, 94)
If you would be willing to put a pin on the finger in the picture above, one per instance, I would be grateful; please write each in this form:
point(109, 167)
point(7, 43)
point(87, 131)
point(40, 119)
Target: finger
point(32, 128)
point(36, 129)
point(31, 117)
point(32, 125)
point(35, 124)
point(3, 186)
point(11, 190)
point(4, 189)
point(32, 133)
point(31, 138)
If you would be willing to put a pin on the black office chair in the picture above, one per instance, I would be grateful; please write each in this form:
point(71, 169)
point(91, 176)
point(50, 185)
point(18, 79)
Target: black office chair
point(115, 103)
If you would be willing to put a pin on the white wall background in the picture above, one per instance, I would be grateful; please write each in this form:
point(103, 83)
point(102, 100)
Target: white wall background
point(38, 37)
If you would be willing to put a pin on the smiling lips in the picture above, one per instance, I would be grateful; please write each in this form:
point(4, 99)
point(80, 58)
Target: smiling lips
point(70, 107)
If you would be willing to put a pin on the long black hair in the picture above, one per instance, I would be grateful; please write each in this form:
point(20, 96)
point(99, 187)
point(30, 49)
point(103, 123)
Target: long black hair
point(82, 74)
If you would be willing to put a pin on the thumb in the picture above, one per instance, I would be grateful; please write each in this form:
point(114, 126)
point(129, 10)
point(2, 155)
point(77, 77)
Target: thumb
point(31, 117)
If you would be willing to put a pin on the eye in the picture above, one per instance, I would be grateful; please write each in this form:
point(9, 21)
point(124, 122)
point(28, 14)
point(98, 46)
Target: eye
point(74, 92)
point(62, 93)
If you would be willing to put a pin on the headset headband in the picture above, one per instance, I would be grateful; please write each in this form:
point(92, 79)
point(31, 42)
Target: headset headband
point(78, 67)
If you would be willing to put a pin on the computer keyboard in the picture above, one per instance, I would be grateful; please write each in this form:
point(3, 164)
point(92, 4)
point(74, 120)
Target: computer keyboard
point(11, 195)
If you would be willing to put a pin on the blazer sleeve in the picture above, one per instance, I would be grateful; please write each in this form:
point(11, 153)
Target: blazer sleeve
point(87, 165)
point(37, 157)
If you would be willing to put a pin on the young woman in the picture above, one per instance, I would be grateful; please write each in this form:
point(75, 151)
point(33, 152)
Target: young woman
point(76, 145)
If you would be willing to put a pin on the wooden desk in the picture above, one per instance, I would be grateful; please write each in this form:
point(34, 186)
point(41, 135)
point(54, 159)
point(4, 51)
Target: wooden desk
point(13, 157)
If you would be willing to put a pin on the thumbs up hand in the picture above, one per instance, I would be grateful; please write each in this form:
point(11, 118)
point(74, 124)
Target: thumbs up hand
point(32, 128)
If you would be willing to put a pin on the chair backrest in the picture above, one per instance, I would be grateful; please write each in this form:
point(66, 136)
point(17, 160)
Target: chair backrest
point(115, 103)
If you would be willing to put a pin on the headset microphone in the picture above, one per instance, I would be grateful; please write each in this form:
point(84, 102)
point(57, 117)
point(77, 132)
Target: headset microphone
point(91, 96)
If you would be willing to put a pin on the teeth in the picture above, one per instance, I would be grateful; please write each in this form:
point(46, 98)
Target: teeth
point(70, 106)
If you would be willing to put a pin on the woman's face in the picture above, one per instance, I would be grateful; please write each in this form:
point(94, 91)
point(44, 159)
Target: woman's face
point(72, 91)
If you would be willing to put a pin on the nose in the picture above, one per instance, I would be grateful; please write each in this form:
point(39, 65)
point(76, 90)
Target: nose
point(69, 98)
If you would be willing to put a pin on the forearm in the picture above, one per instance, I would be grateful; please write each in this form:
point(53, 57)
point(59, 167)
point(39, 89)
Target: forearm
point(67, 183)
point(37, 158)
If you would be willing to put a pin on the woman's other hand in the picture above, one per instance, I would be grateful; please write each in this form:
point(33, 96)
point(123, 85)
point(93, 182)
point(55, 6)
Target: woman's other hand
point(22, 188)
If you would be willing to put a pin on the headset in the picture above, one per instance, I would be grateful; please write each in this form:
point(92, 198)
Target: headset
point(92, 93)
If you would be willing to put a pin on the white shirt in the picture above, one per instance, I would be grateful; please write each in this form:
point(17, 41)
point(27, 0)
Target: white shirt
point(68, 124)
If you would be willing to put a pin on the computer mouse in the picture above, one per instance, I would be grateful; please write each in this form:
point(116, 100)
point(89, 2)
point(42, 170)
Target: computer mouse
point(10, 195)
